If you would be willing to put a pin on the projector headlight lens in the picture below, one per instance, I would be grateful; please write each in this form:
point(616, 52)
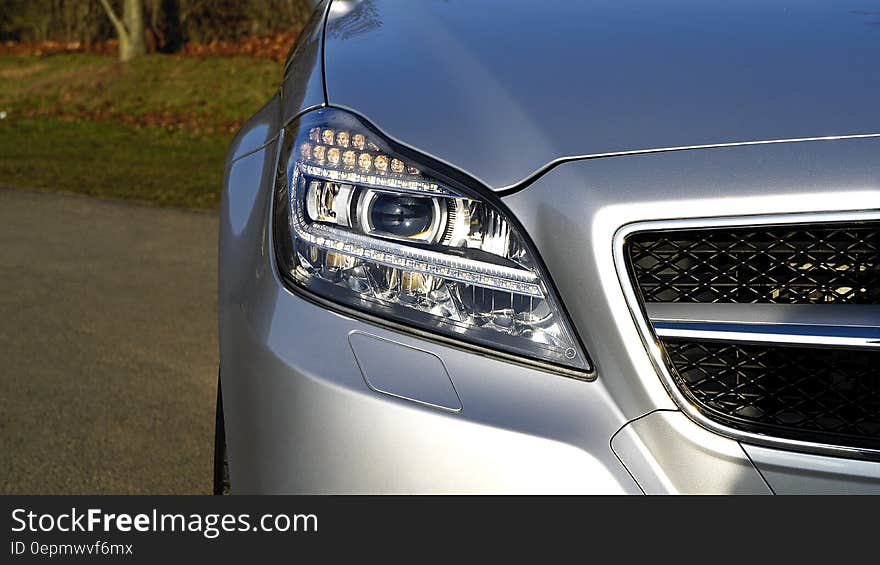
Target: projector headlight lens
point(360, 224)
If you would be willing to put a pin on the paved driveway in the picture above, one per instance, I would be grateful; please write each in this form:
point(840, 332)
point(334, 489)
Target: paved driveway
point(108, 346)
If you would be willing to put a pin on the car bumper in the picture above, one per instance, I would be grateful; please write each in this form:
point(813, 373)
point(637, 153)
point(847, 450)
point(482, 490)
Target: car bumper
point(301, 418)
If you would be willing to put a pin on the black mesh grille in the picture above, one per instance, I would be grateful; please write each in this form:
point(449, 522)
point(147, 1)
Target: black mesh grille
point(819, 395)
point(803, 264)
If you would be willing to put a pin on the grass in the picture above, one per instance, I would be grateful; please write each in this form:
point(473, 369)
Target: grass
point(154, 130)
point(214, 91)
point(112, 160)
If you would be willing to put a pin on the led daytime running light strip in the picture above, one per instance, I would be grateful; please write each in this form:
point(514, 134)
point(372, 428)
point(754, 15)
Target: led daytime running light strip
point(375, 181)
point(520, 281)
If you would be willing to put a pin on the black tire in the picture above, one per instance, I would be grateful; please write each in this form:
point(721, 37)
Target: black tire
point(221, 461)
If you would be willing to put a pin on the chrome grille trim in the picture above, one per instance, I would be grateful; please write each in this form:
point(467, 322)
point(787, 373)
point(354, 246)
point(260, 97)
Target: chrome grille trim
point(860, 316)
point(778, 335)
point(831, 325)
point(655, 351)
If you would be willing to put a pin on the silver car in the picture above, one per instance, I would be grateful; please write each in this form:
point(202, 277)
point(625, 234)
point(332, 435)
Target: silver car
point(617, 246)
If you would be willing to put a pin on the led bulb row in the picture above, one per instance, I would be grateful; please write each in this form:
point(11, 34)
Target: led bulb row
point(339, 138)
point(340, 147)
point(351, 159)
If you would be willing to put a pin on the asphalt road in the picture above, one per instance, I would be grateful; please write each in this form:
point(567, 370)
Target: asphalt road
point(108, 346)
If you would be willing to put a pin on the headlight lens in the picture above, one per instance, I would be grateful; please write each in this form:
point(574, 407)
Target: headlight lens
point(360, 224)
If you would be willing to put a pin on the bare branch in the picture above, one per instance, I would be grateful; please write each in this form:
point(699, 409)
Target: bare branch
point(117, 23)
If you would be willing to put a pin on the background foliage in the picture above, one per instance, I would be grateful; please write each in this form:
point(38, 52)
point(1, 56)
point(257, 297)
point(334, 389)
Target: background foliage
point(171, 23)
point(156, 129)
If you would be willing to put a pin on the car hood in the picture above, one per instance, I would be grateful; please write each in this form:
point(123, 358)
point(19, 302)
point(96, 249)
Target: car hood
point(501, 89)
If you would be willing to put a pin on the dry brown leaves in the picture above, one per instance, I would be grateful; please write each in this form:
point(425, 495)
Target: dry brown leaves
point(273, 46)
point(190, 123)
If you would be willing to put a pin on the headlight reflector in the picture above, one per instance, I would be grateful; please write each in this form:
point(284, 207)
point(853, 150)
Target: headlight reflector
point(361, 224)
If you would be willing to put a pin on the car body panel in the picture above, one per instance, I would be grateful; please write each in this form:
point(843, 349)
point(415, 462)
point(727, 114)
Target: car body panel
point(260, 129)
point(473, 86)
point(798, 473)
point(301, 419)
point(667, 454)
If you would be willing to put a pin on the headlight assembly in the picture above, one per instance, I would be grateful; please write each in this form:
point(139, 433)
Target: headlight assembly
point(362, 224)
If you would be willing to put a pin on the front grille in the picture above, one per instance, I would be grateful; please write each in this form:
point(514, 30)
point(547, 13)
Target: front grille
point(825, 395)
point(802, 264)
point(828, 394)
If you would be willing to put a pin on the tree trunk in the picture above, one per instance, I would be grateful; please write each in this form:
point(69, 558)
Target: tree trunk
point(130, 28)
point(133, 17)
